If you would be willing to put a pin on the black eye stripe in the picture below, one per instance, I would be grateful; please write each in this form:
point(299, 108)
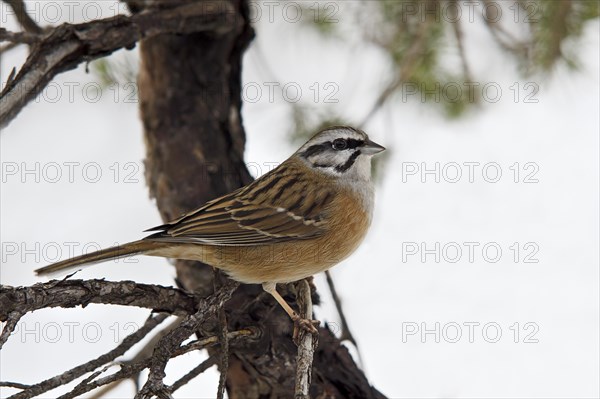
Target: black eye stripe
point(328, 146)
point(315, 149)
point(350, 143)
point(353, 143)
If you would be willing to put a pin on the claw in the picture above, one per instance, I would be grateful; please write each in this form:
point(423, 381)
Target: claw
point(306, 325)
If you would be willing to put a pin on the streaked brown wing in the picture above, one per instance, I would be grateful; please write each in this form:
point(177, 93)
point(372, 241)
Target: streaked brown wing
point(277, 207)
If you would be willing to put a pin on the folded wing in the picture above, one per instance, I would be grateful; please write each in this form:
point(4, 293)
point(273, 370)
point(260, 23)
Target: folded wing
point(272, 209)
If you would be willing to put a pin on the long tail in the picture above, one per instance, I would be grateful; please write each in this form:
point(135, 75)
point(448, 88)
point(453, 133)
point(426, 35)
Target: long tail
point(131, 248)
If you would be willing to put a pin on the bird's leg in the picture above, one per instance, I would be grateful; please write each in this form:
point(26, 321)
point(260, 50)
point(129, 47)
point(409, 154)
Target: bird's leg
point(299, 322)
point(271, 289)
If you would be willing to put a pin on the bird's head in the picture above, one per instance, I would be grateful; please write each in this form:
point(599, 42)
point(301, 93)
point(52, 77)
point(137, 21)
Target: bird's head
point(341, 151)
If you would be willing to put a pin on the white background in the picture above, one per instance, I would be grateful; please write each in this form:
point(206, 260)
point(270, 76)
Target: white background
point(388, 292)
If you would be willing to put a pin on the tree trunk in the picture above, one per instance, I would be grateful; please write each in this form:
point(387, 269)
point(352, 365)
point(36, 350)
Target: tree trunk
point(189, 88)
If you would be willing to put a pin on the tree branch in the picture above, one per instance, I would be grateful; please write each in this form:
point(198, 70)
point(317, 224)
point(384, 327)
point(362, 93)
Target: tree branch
point(10, 384)
point(6, 48)
point(28, 24)
point(458, 34)
point(171, 342)
point(405, 67)
point(307, 345)
point(196, 371)
point(11, 322)
point(19, 37)
point(224, 361)
point(67, 45)
point(505, 39)
point(129, 369)
point(92, 365)
point(72, 293)
point(346, 334)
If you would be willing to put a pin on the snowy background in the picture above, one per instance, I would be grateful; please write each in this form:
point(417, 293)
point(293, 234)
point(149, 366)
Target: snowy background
point(474, 285)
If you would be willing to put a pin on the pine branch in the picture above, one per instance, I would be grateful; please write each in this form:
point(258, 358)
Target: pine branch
point(66, 46)
point(73, 293)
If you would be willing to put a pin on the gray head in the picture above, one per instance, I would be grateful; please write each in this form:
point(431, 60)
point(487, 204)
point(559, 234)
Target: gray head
point(341, 151)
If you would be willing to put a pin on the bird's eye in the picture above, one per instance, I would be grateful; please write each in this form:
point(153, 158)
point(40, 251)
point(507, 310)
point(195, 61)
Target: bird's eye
point(339, 144)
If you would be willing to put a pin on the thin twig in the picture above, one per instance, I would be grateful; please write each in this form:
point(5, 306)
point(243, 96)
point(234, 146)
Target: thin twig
point(196, 371)
point(11, 75)
point(11, 323)
point(146, 351)
point(92, 365)
point(6, 48)
point(307, 344)
point(169, 343)
point(126, 371)
point(23, 18)
point(346, 333)
point(19, 37)
point(250, 333)
point(10, 384)
point(458, 34)
point(503, 37)
point(93, 376)
point(224, 358)
point(129, 369)
point(405, 69)
point(106, 389)
point(224, 361)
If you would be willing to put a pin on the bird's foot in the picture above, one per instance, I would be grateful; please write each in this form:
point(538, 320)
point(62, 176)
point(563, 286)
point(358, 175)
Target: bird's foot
point(304, 325)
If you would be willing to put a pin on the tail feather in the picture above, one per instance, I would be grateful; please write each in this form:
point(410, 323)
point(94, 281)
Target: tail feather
point(121, 251)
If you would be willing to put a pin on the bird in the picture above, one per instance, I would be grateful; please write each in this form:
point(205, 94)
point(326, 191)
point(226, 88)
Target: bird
point(301, 218)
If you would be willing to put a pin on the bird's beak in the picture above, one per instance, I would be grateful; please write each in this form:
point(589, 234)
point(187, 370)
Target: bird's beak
point(371, 148)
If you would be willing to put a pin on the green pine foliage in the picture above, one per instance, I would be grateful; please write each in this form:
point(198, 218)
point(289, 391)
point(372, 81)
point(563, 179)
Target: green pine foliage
point(419, 35)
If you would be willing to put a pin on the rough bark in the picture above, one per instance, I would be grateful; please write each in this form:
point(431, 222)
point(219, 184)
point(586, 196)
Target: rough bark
point(73, 293)
point(189, 87)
